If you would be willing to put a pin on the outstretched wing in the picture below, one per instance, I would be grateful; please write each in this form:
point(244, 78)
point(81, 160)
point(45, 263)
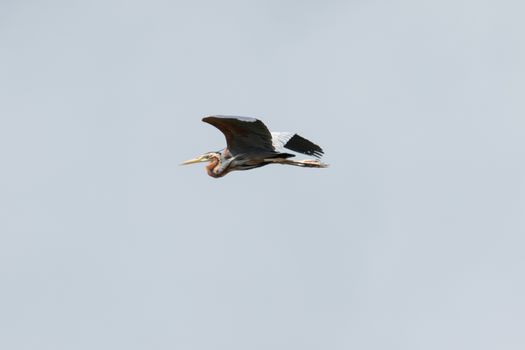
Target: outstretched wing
point(243, 135)
point(295, 143)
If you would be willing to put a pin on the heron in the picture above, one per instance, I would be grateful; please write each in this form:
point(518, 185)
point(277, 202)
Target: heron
point(251, 145)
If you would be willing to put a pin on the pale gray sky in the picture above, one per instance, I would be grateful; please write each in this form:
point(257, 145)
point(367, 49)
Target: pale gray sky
point(413, 239)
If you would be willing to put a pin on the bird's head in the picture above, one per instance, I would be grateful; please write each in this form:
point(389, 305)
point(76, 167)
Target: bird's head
point(206, 157)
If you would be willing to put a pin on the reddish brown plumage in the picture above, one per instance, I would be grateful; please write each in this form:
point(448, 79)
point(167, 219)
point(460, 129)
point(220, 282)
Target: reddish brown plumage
point(213, 168)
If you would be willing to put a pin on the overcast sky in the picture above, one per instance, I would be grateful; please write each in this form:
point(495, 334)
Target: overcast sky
point(413, 239)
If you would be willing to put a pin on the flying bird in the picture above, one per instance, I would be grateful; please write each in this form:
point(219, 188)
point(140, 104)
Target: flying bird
point(251, 145)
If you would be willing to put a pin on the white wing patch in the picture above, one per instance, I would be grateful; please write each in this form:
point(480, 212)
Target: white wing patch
point(279, 139)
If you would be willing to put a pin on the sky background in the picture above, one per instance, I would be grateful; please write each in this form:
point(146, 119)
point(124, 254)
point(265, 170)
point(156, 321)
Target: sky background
point(413, 238)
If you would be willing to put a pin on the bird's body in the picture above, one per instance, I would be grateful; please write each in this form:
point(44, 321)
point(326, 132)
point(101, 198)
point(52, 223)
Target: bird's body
point(251, 145)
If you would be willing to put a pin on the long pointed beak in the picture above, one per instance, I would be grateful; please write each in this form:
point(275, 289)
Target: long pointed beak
point(193, 161)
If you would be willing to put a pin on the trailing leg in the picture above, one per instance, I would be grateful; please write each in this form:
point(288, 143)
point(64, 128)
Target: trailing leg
point(307, 163)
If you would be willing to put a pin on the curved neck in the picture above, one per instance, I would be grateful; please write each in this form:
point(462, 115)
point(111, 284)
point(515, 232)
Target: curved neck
point(215, 169)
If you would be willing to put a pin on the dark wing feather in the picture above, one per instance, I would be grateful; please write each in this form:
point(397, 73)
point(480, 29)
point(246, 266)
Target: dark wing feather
point(300, 144)
point(243, 135)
